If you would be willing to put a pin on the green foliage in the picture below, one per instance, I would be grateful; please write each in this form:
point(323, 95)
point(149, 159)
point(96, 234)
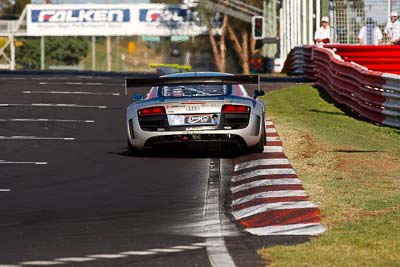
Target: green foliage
point(28, 55)
point(59, 51)
point(66, 51)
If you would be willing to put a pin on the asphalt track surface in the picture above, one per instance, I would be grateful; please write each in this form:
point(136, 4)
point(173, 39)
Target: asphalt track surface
point(70, 195)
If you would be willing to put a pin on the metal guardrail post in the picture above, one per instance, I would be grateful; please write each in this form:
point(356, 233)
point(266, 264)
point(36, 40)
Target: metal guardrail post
point(42, 53)
point(12, 52)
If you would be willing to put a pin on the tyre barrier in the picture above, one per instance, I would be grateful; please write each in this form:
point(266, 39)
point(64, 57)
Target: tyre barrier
point(373, 95)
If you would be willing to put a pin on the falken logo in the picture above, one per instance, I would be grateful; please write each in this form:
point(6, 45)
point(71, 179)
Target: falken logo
point(80, 15)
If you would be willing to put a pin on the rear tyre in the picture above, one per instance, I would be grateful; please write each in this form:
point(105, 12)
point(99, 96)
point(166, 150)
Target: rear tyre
point(132, 151)
point(259, 148)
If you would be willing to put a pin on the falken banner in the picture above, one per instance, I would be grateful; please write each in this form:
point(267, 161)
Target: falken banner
point(112, 20)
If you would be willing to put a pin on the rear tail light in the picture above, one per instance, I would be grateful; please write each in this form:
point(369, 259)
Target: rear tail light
point(235, 109)
point(151, 111)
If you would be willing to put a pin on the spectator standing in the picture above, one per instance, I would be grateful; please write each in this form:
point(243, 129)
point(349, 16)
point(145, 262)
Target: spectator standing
point(323, 34)
point(392, 29)
point(370, 34)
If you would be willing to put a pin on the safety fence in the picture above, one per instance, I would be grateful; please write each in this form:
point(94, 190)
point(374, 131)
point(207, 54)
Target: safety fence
point(372, 92)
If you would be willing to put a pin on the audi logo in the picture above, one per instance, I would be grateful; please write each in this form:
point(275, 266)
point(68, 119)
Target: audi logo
point(192, 108)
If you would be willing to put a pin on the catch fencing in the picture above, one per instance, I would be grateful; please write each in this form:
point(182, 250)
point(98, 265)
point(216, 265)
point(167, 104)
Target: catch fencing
point(372, 92)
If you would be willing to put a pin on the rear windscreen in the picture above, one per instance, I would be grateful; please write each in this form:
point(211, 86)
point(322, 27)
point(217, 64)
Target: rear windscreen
point(195, 90)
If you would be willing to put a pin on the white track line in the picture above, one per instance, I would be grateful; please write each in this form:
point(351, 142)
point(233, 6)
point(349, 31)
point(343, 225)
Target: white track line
point(247, 212)
point(270, 130)
point(266, 182)
point(137, 253)
point(273, 138)
point(35, 138)
point(107, 256)
point(165, 250)
point(269, 194)
point(74, 259)
point(291, 229)
point(186, 247)
point(217, 252)
point(44, 120)
point(117, 255)
point(259, 162)
point(69, 93)
point(52, 105)
point(23, 162)
point(41, 263)
point(273, 149)
point(5, 190)
point(263, 172)
point(81, 83)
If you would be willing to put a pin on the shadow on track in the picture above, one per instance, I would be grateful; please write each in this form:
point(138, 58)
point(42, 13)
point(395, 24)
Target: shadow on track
point(179, 153)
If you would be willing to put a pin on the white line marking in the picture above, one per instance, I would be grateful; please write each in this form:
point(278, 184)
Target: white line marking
point(5, 190)
point(266, 182)
point(24, 162)
point(262, 172)
point(217, 251)
point(110, 256)
point(81, 83)
point(44, 120)
point(107, 256)
point(247, 212)
point(51, 105)
point(75, 259)
point(273, 138)
point(273, 149)
point(165, 250)
point(270, 130)
point(269, 123)
point(186, 247)
point(269, 194)
point(200, 244)
point(70, 93)
point(258, 162)
point(35, 138)
point(41, 263)
point(291, 229)
point(138, 253)
point(12, 78)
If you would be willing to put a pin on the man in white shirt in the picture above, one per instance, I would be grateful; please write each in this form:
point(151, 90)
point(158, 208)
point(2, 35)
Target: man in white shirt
point(392, 29)
point(370, 34)
point(323, 34)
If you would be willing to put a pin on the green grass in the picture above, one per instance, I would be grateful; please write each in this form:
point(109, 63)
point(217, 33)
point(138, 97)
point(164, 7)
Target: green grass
point(304, 108)
point(351, 169)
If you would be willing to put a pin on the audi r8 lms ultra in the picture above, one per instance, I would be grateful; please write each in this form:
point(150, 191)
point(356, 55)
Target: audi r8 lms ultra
point(207, 110)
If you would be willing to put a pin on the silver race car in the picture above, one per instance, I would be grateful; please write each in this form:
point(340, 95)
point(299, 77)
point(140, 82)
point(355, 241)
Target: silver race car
point(206, 110)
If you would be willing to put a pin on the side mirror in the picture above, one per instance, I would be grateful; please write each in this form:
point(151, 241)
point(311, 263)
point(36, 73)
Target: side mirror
point(137, 97)
point(258, 93)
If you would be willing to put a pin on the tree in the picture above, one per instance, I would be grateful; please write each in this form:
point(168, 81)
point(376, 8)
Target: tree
point(59, 51)
point(12, 9)
point(219, 51)
point(238, 33)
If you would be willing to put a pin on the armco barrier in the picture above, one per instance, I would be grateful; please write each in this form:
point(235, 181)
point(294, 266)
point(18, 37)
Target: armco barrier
point(384, 58)
point(373, 95)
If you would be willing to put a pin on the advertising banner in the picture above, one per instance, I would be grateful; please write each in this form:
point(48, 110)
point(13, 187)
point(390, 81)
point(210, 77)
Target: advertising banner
point(112, 20)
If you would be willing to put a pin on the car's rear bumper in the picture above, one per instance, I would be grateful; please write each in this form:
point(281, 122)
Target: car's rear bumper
point(246, 137)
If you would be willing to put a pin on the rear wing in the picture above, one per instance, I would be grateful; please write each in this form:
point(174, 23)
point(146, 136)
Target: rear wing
point(164, 81)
